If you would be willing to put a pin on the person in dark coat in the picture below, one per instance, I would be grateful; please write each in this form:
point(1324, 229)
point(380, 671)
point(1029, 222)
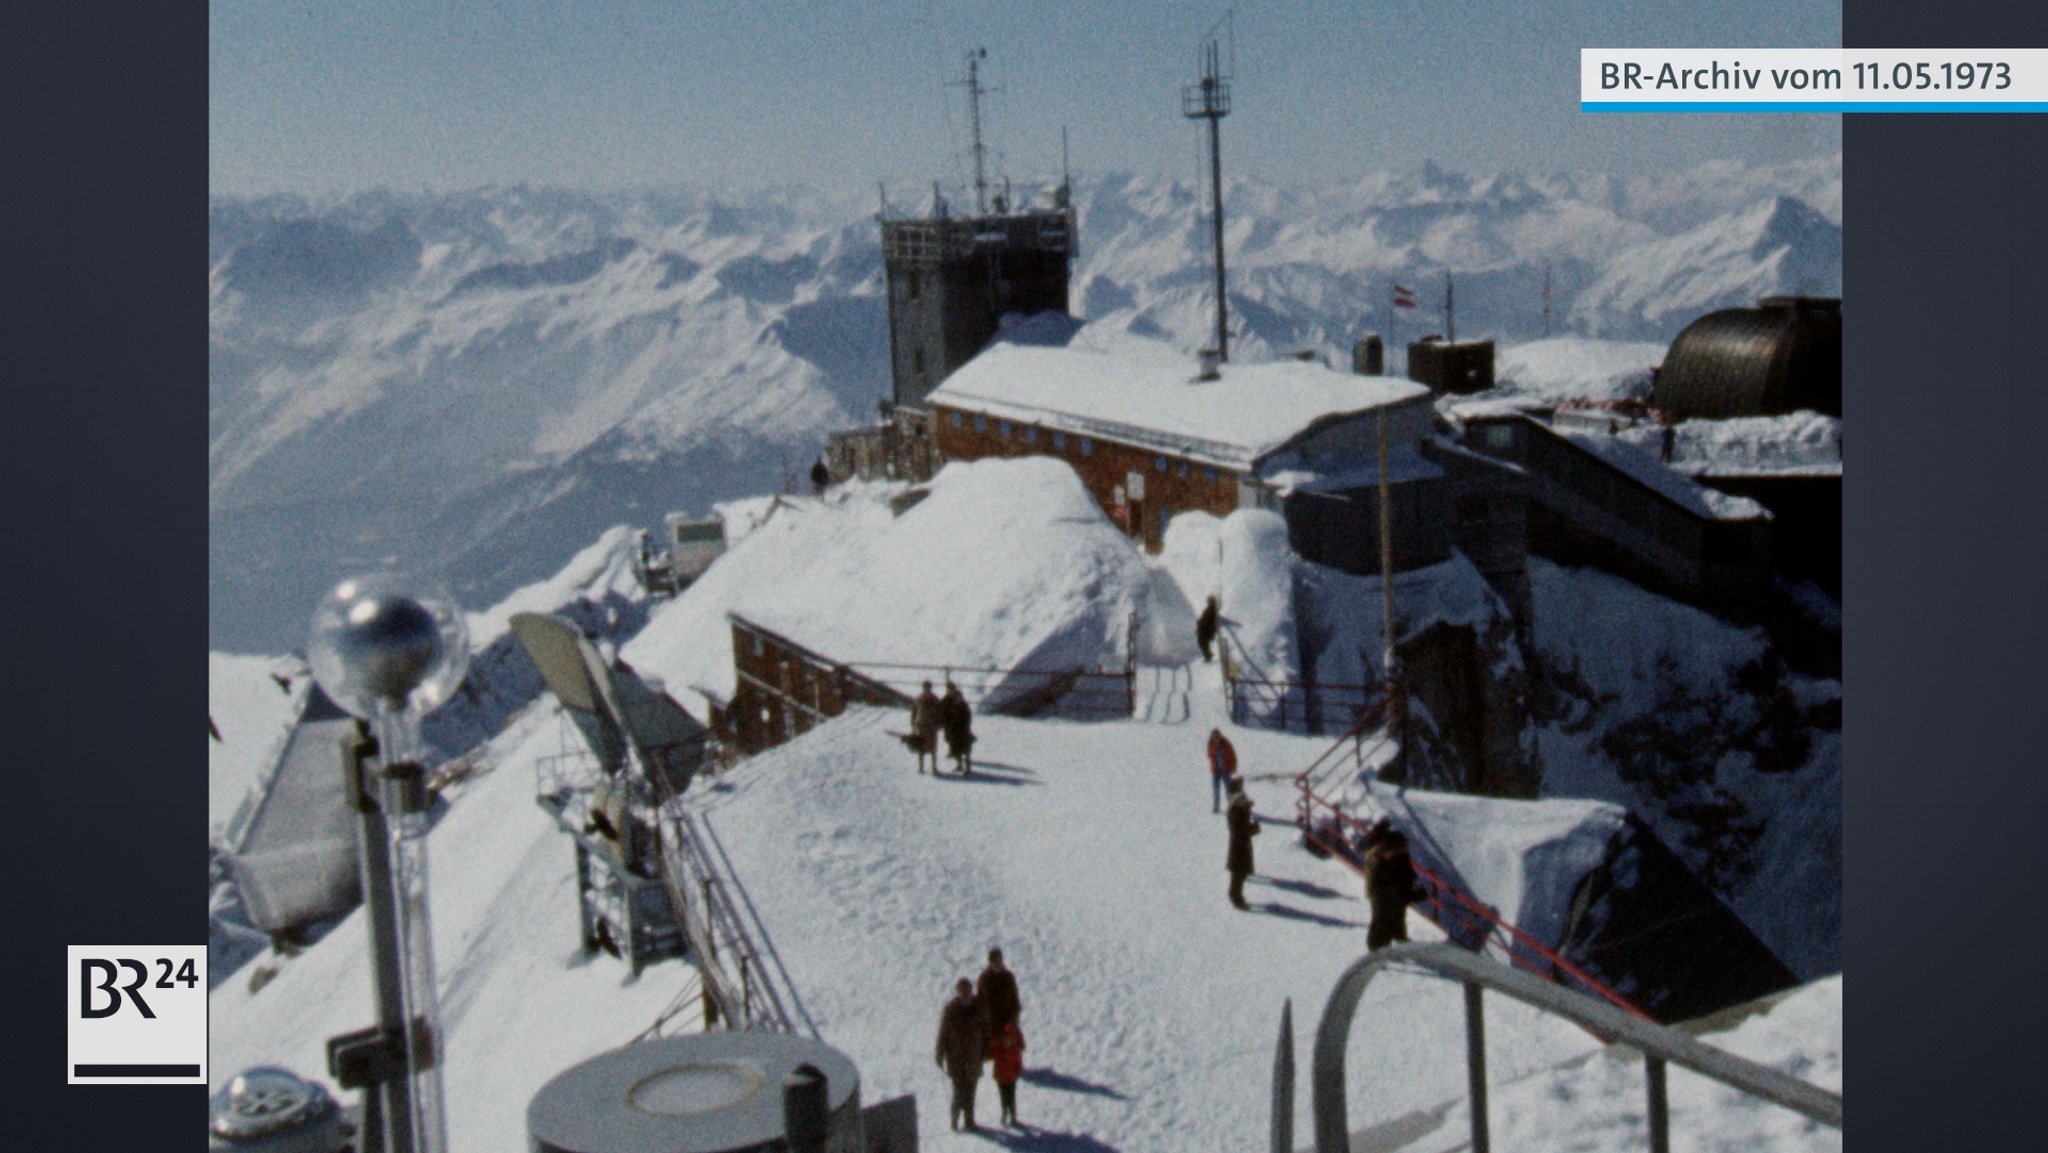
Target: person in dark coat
point(1390, 885)
point(924, 727)
point(820, 477)
point(1243, 827)
point(961, 1048)
point(997, 992)
point(1222, 767)
point(956, 718)
point(1205, 629)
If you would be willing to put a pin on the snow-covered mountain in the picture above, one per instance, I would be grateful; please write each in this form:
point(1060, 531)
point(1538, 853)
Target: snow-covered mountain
point(480, 382)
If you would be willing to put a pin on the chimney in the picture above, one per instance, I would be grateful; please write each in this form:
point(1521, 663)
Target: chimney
point(1369, 356)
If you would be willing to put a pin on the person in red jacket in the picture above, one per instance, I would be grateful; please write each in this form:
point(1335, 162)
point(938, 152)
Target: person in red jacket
point(1006, 1049)
point(1222, 766)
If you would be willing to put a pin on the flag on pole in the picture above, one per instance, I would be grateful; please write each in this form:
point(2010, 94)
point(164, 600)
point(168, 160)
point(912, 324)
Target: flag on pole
point(1403, 297)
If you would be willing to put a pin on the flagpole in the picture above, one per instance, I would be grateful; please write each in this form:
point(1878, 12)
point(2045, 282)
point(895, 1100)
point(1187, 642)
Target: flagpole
point(1450, 312)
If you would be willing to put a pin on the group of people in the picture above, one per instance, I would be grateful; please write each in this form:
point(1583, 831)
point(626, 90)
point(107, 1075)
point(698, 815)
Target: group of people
point(1391, 882)
point(979, 1024)
point(931, 716)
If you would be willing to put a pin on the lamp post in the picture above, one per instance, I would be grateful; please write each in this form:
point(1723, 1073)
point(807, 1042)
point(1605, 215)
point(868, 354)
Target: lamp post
point(390, 649)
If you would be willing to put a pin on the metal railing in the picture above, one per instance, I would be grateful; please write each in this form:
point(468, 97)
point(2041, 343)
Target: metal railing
point(744, 985)
point(1660, 1046)
point(1312, 708)
point(1464, 919)
point(1017, 691)
point(1329, 828)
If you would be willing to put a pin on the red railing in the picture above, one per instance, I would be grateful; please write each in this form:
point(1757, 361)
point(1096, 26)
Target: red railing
point(1462, 918)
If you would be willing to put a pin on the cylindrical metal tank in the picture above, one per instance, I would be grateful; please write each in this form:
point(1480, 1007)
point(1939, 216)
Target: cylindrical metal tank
point(703, 1093)
point(1782, 356)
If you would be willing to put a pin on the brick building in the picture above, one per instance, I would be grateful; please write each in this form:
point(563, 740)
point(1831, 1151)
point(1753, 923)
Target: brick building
point(1150, 437)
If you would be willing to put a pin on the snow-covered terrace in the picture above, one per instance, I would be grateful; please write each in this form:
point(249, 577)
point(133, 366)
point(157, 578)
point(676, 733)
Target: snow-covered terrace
point(1796, 444)
point(1151, 398)
point(1050, 584)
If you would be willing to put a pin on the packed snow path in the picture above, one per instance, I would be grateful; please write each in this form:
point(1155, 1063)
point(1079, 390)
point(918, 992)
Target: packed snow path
point(1089, 854)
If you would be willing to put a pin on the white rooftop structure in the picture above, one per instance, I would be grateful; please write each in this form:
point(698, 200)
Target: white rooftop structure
point(1795, 444)
point(1152, 398)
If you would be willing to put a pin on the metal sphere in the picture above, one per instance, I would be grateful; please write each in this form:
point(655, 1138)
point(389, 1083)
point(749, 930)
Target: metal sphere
point(389, 644)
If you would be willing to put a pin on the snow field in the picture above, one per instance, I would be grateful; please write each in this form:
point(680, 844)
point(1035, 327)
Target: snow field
point(254, 714)
point(1087, 853)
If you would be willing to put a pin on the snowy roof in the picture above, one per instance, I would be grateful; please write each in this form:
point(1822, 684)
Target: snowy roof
point(1405, 464)
point(1051, 583)
point(1149, 396)
point(1797, 444)
point(1638, 463)
point(1579, 368)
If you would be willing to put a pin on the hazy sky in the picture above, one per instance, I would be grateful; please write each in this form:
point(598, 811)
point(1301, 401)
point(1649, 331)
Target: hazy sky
point(446, 94)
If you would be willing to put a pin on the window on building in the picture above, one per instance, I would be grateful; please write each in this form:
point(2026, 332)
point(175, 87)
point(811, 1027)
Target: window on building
point(1158, 464)
point(1500, 437)
point(956, 419)
point(1030, 434)
point(1003, 429)
point(1212, 476)
point(980, 423)
point(1183, 469)
point(1059, 441)
point(1087, 447)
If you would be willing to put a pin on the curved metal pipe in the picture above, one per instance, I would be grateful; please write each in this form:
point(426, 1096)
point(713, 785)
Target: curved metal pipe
point(1656, 1042)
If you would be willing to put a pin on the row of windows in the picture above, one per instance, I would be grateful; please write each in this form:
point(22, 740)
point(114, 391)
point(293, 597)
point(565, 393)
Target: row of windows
point(1004, 430)
point(1160, 464)
point(1182, 468)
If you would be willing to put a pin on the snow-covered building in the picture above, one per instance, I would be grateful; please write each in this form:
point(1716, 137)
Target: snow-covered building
point(1595, 498)
point(1789, 463)
point(1152, 436)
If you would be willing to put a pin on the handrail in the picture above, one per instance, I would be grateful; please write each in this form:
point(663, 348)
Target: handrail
point(1446, 897)
point(766, 948)
point(1307, 699)
point(1659, 1045)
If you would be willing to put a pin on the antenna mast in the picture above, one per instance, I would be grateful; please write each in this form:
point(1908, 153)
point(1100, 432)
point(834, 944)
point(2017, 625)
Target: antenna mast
point(974, 94)
point(1210, 100)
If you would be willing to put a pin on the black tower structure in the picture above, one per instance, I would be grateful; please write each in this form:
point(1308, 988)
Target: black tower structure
point(1210, 100)
point(951, 279)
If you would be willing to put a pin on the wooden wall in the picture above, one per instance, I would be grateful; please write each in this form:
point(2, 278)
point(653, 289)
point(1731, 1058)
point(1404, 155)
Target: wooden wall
point(1102, 465)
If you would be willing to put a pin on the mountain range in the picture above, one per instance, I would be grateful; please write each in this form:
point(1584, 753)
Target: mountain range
point(478, 383)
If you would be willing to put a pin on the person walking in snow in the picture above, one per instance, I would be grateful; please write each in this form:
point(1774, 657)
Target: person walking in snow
point(956, 718)
point(1390, 885)
point(1243, 827)
point(1006, 1052)
point(1222, 767)
point(962, 1047)
point(997, 992)
point(1205, 629)
point(924, 728)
